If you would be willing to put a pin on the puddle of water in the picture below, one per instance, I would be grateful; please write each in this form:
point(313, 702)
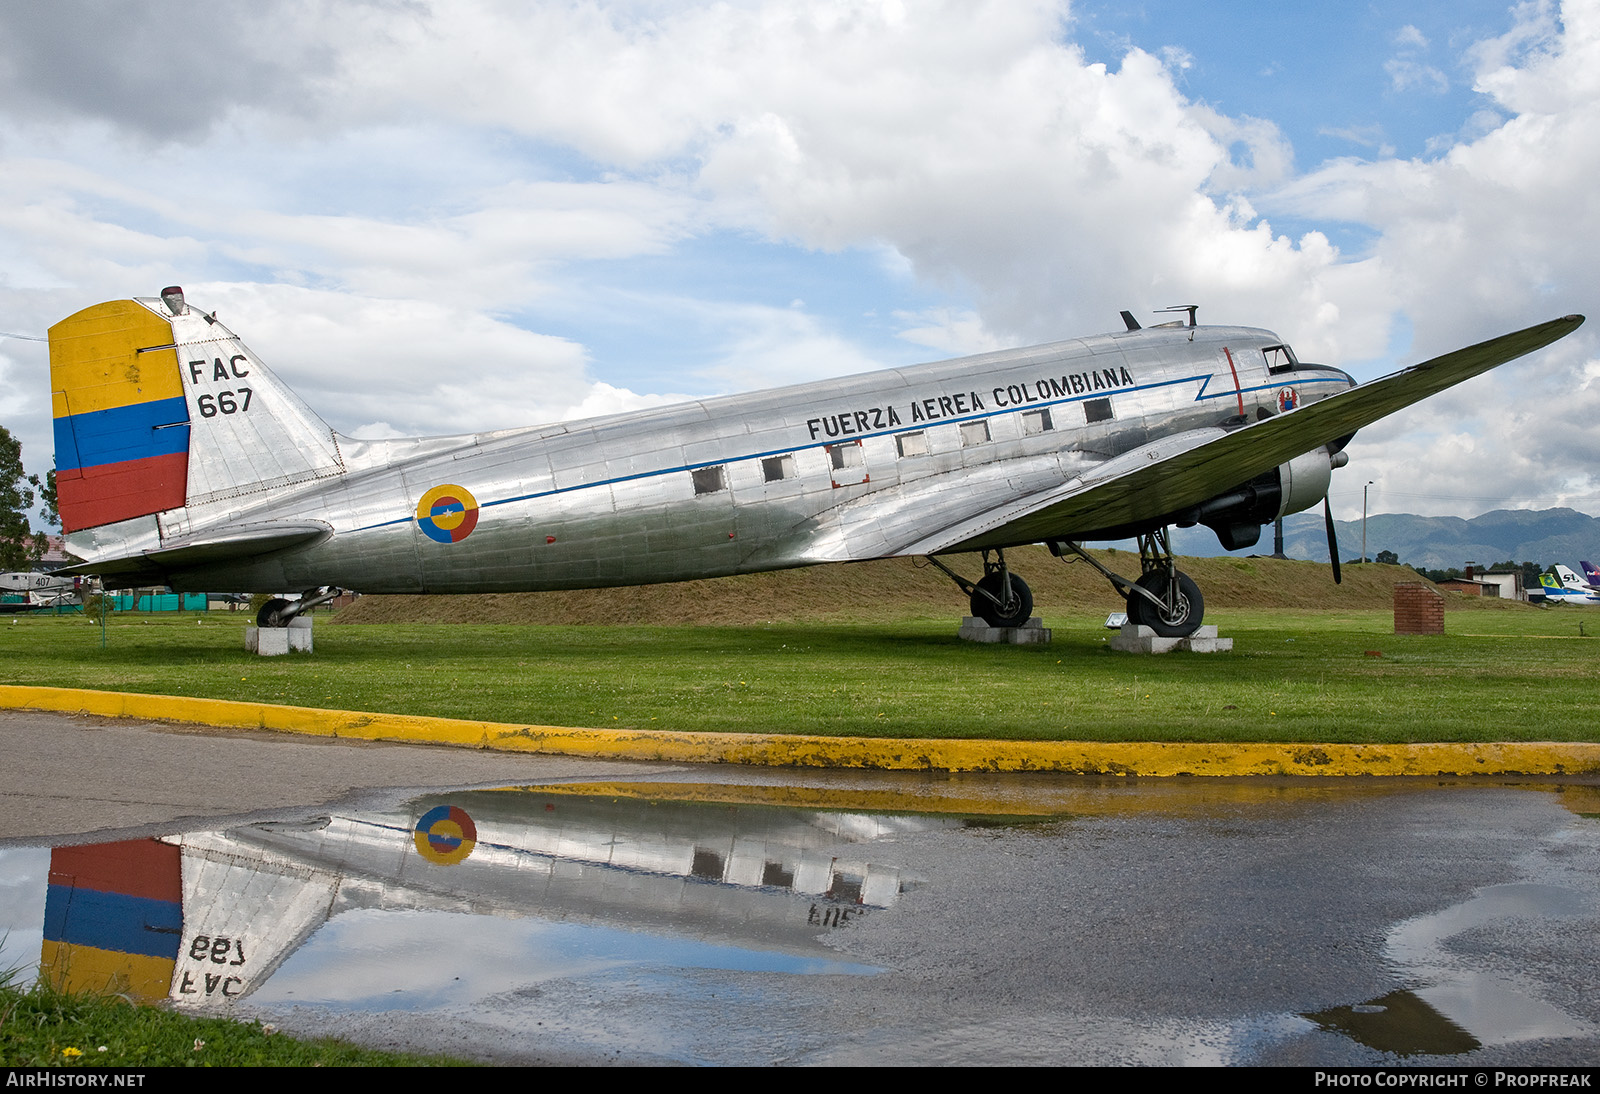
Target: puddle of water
point(491, 903)
point(452, 899)
point(1453, 1008)
point(1400, 1022)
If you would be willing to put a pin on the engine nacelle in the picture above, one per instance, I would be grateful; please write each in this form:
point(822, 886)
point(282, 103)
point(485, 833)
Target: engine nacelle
point(1292, 487)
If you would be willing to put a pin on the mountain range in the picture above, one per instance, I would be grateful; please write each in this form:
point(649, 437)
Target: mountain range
point(1545, 536)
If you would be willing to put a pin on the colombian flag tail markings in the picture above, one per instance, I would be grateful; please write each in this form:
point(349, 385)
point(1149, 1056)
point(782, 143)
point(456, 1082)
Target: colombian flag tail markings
point(120, 416)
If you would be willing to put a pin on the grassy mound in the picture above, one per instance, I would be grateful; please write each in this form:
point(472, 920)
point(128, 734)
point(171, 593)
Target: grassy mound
point(902, 588)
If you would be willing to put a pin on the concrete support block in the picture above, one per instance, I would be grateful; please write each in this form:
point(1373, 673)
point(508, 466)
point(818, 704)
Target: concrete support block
point(1133, 639)
point(274, 641)
point(266, 641)
point(1031, 633)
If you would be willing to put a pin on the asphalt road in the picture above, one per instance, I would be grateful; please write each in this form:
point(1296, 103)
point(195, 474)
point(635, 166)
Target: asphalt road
point(73, 778)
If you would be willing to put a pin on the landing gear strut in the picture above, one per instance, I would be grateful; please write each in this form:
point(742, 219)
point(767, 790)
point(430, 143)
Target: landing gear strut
point(1000, 598)
point(1163, 598)
point(277, 612)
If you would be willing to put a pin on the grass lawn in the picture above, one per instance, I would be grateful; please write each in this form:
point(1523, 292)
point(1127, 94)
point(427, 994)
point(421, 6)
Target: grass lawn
point(1294, 675)
point(43, 1028)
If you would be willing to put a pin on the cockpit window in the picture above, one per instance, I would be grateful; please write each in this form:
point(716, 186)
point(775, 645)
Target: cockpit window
point(1280, 359)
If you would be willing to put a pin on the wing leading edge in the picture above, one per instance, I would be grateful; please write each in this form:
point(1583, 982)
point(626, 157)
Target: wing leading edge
point(1178, 472)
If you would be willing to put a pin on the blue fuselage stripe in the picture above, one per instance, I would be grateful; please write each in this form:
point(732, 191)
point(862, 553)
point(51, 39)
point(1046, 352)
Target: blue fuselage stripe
point(912, 428)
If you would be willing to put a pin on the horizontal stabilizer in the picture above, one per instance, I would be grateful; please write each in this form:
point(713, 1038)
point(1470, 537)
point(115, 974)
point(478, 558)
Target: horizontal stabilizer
point(229, 543)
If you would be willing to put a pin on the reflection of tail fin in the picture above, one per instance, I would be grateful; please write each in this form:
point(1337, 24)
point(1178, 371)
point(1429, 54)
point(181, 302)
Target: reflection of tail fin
point(113, 918)
point(158, 406)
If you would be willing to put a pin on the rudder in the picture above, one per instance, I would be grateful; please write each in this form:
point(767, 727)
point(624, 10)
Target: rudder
point(121, 420)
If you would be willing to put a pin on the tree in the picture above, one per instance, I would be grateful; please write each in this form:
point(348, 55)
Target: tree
point(47, 497)
point(1388, 558)
point(19, 547)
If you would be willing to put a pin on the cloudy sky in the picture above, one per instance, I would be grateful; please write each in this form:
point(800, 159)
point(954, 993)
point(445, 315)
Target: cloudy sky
point(436, 217)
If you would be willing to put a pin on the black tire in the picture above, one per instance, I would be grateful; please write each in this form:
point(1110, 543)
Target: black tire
point(1018, 607)
point(1184, 622)
point(268, 615)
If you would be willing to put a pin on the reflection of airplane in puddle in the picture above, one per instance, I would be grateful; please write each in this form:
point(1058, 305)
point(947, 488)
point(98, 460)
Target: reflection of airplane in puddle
point(25, 591)
point(207, 918)
point(183, 461)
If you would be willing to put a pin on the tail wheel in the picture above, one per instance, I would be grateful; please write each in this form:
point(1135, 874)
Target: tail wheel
point(269, 614)
point(1180, 621)
point(1015, 605)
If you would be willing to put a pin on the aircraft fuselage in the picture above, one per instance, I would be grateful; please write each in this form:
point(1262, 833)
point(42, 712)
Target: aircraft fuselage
point(787, 477)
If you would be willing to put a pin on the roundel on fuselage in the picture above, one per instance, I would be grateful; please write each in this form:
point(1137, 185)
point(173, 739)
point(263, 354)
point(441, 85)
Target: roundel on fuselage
point(447, 514)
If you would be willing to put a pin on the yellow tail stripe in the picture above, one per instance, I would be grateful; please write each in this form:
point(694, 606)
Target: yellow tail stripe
point(69, 967)
point(95, 363)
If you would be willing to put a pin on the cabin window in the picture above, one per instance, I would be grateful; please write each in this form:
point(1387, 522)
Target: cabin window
point(777, 468)
point(848, 463)
point(708, 480)
point(842, 456)
point(974, 433)
point(1035, 422)
point(912, 444)
point(1097, 410)
point(706, 864)
point(1280, 359)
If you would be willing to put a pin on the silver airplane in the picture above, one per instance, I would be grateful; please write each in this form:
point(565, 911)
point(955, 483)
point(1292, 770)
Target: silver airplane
point(182, 460)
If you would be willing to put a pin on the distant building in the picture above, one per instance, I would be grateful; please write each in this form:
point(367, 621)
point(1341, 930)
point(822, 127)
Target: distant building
point(55, 554)
point(1509, 583)
point(1506, 584)
point(1469, 586)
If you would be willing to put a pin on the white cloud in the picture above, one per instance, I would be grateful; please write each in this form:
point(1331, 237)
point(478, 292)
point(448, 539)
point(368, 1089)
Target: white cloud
point(771, 347)
point(395, 203)
point(421, 366)
point(1407, 70)
point(950, 331)
point(1406, 74)
point(1409, 37)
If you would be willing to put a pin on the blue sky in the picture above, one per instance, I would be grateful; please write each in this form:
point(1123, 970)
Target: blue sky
point(436, 218)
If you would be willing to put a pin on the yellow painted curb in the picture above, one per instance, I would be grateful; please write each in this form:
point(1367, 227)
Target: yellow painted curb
point(935, 754)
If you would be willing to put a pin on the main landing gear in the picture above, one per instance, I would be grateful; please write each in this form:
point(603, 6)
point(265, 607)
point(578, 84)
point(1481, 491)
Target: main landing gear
point(277, 612)
point(1000, 598)
point(1164, 598)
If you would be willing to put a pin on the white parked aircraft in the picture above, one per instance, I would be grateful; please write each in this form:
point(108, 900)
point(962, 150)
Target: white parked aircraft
point(1566, 587)
point(182, 460)
point(26, 590)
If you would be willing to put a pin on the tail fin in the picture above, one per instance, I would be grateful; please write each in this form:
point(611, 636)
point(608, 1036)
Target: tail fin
point(159, 408)
point(121, 423)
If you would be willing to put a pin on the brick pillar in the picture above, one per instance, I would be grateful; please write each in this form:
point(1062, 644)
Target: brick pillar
point(1417, 609)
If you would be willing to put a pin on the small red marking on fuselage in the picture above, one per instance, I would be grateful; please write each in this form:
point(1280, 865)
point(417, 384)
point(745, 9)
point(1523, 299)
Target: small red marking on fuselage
point(1240, 394)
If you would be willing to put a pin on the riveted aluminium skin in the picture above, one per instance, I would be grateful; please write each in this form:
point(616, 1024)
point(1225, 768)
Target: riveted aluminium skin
point(1141, 424)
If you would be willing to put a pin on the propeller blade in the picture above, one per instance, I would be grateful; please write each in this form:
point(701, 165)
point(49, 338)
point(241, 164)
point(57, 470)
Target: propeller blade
point(1333, 540)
